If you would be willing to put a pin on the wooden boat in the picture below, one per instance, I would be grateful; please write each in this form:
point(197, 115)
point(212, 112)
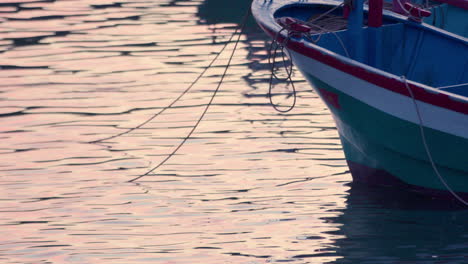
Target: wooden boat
point(397, 89)
point(450, 15)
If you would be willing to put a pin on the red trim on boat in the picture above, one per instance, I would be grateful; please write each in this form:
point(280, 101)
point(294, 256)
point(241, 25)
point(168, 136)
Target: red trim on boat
point(417, 13)
point(330, 97)
point(392, 84)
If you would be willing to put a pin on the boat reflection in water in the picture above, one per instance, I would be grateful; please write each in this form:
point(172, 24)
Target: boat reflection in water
point(378, 225)
point(221, 15)
point(381, 226)
point(222, 12)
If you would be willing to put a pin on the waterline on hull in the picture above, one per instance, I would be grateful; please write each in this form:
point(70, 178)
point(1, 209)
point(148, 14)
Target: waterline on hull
point(379, 177)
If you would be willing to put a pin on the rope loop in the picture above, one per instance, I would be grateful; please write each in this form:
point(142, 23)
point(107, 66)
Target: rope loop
point(294, 28)
point(276, 47)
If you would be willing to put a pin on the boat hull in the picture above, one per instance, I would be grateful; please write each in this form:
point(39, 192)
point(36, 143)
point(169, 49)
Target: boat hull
point(383, 145)
point(372, 176)
point(410, 134)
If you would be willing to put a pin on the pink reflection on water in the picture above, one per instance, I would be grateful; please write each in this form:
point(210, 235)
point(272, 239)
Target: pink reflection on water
point(236, 192)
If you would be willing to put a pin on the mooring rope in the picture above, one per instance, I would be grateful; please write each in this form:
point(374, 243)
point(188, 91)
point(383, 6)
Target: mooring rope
point(288, 68)
point(244, 22)
point(426, 147)
point(332, 22)
point(180, 96)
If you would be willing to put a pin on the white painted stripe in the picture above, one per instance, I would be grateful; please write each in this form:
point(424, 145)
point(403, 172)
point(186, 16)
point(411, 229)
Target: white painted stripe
point(385, 100)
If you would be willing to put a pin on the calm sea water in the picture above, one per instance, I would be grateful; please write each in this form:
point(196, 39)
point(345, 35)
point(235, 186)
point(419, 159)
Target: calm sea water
point(250, 186)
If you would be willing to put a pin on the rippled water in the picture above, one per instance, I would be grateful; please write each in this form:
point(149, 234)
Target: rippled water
point(250, 186)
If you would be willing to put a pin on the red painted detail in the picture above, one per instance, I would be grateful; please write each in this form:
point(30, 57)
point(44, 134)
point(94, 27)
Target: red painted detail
point(375, 13)
point(285, 21)
point(416, 12)
point(330, 98)
point(294, 25)
point(385, 82)
point(346, 11)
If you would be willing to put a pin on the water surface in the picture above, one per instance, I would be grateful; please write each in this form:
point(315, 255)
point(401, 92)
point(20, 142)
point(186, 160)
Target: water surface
point(250, 186)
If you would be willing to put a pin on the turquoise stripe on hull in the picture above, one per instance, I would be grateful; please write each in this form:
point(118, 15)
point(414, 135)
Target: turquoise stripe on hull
point(381, 141)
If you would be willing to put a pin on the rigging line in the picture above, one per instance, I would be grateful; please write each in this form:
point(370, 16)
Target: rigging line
point(426, 147)
point(313, 19)
point(244, 22)
point(244, 19)
point(452, 86)
point(324, 30)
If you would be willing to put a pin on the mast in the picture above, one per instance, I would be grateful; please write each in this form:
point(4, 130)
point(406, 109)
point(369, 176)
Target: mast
point(375, 32)
point(355, 30)
point(357, 35)
point(375, 13)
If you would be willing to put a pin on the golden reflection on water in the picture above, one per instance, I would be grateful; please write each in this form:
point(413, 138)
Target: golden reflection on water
point(251, 186)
